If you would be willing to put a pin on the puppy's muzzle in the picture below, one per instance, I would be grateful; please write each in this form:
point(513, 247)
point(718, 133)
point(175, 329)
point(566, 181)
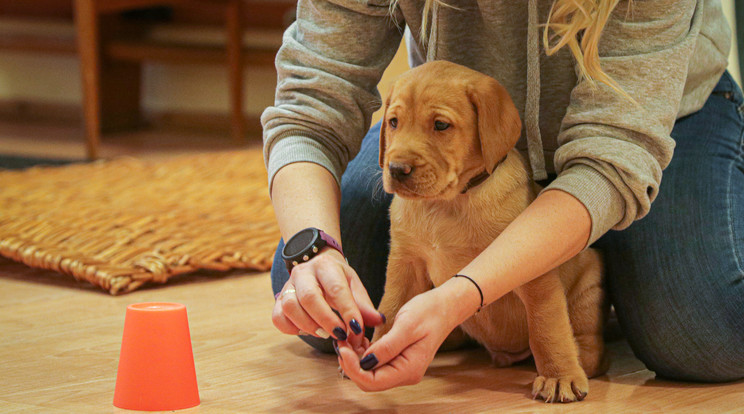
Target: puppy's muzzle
point(399, 171)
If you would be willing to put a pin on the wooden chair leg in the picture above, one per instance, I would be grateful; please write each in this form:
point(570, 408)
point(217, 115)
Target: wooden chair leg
point(88, 41)
point(234, 20)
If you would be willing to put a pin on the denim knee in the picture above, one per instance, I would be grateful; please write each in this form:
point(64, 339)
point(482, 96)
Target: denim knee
point(679, 307)
point(673, 348)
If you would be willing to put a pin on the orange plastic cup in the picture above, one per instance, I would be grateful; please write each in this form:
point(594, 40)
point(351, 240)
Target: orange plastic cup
point(156, 363)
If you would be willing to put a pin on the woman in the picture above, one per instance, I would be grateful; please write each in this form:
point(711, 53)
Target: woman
point(602, 119)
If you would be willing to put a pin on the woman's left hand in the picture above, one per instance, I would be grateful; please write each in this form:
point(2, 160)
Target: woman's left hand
point(402, 356)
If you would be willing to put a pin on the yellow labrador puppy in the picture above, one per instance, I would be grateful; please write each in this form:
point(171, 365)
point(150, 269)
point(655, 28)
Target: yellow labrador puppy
point(447, 153)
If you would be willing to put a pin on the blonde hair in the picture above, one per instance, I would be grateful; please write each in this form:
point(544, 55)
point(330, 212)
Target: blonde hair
point(577, 24)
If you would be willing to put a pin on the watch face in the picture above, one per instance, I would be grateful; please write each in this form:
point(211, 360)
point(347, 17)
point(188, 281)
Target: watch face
point(300, 242)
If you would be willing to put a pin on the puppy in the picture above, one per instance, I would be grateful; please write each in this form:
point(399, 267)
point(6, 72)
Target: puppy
point(447, 153)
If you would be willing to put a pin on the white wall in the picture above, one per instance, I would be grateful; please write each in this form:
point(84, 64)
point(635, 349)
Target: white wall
point(195, 88)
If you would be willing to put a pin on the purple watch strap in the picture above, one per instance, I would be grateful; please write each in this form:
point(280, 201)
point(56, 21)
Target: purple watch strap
point(330, 241)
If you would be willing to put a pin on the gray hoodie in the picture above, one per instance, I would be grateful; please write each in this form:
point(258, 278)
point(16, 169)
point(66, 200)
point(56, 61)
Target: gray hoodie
point(608, 152)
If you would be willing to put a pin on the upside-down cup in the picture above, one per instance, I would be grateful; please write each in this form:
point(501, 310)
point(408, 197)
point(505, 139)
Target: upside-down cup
point(156, 363)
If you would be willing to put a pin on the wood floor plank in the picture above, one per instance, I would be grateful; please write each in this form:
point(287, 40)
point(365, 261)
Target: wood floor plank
point(60, 345)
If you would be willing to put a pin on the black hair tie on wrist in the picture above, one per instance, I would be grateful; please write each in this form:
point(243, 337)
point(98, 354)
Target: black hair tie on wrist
point(476, 286)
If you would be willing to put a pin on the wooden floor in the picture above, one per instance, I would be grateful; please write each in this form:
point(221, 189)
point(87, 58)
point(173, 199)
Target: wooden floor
point(61, 340)
point(65, 140)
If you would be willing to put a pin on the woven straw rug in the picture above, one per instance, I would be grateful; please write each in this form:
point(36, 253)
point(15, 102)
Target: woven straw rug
point(123, 223)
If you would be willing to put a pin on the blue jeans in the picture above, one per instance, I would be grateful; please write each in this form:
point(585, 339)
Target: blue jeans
point(675, 278)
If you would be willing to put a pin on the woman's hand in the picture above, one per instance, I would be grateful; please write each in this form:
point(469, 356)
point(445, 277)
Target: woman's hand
point(402, 356)
point(314, 290)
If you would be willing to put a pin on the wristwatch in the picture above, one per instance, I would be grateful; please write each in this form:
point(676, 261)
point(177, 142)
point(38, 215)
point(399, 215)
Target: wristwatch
point(305, 245)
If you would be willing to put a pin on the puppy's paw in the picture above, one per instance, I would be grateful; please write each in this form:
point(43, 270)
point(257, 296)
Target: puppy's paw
point(566, 389)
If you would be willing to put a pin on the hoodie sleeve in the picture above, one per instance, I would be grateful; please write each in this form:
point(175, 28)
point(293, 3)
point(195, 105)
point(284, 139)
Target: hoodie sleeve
point(329, 65)
point(612, 151)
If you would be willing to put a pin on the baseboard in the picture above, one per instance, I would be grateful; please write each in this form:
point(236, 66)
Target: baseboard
point(206, 122)
point(41, 112)
point(67, 114)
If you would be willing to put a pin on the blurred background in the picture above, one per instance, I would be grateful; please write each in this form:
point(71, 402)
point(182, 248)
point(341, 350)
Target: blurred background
point(81, 79)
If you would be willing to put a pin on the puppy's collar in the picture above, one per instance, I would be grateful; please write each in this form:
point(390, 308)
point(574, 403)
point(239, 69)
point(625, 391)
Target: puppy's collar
point(480, 178)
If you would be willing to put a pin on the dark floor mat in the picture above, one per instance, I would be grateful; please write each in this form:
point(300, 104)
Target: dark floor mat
point(14, 162)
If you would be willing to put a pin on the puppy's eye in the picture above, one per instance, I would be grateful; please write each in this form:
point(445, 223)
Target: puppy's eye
point(393, 123)
point(441, 126)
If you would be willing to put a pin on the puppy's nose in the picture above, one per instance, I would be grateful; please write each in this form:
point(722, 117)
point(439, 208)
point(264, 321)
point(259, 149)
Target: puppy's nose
point(400, 171)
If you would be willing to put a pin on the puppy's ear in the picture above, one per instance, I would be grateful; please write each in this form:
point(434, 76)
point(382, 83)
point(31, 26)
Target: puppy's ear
point(383, 129)
point(499, 125)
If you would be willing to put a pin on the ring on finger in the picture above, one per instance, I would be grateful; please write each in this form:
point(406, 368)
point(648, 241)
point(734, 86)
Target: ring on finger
point(318, 332)
point(286, 292)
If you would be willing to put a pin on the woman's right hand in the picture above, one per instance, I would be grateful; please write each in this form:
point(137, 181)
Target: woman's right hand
point(314, 290)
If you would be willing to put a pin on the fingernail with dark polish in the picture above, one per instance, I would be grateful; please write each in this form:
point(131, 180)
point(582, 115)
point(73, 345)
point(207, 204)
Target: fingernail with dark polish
point(384, 319)
point(368, 362)
point(355, 326)
point(339, 333)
